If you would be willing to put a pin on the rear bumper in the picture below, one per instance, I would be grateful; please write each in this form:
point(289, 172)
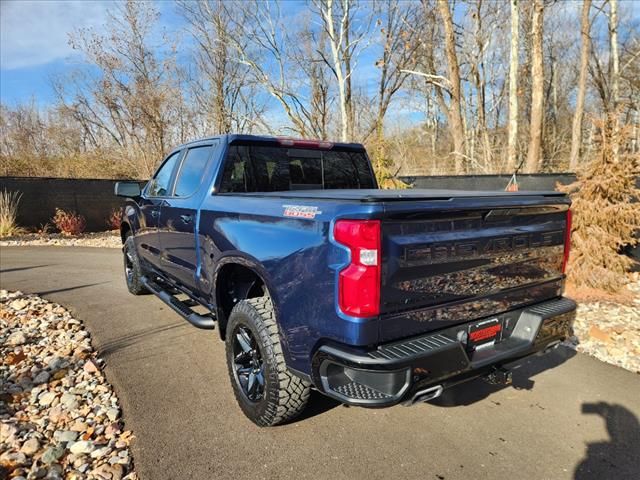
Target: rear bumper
point(394, 372)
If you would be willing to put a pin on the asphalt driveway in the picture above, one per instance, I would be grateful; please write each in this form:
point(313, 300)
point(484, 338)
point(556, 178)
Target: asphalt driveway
point(567, 416)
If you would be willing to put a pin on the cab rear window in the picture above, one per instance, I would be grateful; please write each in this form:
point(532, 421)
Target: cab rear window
point(259, 168)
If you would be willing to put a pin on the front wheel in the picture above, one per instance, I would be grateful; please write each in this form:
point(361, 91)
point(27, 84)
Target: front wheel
point(265, 390)
point(132, 270)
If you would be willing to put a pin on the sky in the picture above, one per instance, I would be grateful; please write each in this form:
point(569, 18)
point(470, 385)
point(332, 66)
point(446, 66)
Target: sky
point(34, 42)
point(34, 45)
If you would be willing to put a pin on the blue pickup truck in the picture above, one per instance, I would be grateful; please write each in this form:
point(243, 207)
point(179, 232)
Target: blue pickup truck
point(315, 278)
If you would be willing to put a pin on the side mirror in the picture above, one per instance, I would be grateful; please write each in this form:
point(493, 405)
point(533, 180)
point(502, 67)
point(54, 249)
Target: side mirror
point(127, 189)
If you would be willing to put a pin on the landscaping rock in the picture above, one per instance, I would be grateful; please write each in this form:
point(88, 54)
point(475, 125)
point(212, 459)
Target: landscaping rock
point(100, 239)
point(56, 406)
point(52, 454)
point(30, 447)
point(16, 338)
point(81, 447)
point(611, 331)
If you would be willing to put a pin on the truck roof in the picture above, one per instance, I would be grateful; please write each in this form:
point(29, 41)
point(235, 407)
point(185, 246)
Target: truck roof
point(237, 137)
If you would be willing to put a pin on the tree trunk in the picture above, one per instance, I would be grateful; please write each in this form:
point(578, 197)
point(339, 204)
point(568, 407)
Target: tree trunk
point(334, 42)
point(576, 133)
point(537, 89)
point(615, 77)
point(512, 148)
point(454, 110)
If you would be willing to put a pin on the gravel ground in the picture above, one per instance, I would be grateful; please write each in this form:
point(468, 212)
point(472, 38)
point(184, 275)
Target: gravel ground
point(100, 239)
point(611, 331)
point(59, 418)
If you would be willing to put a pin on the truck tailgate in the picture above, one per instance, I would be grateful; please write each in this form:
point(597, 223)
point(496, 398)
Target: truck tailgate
point(447, 262)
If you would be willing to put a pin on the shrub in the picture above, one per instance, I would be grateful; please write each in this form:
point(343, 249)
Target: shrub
point(69, 223)
point(115, 219)
point(605, 218)
point(9, 202)
point(43, 230)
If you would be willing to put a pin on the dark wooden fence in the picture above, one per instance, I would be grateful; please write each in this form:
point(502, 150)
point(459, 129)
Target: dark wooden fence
point(93, 199)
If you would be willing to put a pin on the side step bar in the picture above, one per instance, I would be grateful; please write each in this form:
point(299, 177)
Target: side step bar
point(205, 322)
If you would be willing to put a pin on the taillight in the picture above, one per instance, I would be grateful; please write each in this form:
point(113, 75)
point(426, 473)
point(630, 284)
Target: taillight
point(359, 282)
point(567, 242)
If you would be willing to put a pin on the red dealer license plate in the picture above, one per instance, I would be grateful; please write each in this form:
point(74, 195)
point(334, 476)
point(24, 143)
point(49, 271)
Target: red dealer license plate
point(484, 332)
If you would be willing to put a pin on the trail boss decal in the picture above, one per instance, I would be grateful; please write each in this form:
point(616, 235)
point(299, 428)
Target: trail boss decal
point(301, 211)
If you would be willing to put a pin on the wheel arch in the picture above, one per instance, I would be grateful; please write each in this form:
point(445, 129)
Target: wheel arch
point(238, 278)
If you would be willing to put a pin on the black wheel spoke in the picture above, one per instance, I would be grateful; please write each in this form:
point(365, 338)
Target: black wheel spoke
point(242, 357)
point(260, 377)
point(244, 340)
point(251, 384)
point(249, 365)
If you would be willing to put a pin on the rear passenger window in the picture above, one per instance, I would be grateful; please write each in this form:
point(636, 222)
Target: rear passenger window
point(160, 183)
point(192, 170)
point(258, 168)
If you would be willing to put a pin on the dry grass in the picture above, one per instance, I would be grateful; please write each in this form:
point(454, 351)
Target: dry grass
point(9, 202)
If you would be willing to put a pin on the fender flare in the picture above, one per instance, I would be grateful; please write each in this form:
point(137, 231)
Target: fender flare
point(245, 260)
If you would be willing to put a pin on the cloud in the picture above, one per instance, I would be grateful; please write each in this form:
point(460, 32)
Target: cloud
point(35, 33)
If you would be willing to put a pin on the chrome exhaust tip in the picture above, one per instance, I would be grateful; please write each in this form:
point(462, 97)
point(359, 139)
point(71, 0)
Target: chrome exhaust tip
point(425, 395)
point(550, 347)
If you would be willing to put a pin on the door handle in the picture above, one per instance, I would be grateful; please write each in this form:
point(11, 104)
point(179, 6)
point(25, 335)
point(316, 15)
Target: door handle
point(155, 213)
point(186, 218)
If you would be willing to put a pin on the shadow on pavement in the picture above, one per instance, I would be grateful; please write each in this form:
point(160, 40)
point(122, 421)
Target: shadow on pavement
point(477, 390)
point(19, 269)
point(618, 458)
point(125, 341)
point(68, 289)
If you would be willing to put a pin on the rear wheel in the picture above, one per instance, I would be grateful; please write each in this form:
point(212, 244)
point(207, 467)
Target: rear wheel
point(132, 271)
point(265, 390)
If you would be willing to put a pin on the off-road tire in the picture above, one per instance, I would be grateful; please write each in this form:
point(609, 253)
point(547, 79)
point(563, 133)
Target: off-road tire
point(134, 279)
point(285, 395)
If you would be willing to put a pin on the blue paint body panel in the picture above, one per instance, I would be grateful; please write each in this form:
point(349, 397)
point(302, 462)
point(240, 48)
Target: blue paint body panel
point(447, 257)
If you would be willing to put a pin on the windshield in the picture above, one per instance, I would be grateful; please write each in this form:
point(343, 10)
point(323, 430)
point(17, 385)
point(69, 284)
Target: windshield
point(259, 168)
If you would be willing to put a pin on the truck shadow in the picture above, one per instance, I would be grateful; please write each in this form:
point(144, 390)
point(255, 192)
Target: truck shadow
point(619, 457)
point(318, 404)
point(477, 390)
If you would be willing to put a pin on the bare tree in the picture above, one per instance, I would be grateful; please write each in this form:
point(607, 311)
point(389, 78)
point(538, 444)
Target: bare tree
point(614, 60)
point(337, 19)
point(309, 60)
point(134, 100)
point(266, 46)
point(454, 112)
point(512, 147)
point(399, 46)
point(226, 101)
point(576, 134)
point(537, 89)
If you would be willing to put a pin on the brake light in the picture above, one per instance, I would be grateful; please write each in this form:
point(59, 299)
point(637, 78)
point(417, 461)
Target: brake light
point(359, 282)
point(291, 142)
point(567, 242)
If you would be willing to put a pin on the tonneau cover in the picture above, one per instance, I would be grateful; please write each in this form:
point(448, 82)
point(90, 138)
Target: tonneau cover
point(375, 195)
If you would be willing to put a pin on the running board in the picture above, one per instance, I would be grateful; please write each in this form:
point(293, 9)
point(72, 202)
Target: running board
point(205, 322)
